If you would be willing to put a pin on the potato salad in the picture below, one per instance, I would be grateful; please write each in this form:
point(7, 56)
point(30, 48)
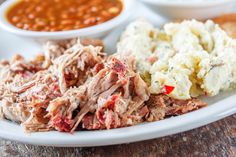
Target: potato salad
point(182, 60)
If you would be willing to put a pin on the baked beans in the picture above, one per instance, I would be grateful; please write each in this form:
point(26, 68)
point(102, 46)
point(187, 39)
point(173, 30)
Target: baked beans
point(61, 15)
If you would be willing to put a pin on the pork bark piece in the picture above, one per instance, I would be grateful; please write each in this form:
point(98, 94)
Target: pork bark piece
point(162, 106)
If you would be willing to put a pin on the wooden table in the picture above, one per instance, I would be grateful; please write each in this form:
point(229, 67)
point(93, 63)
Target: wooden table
point(215, 140)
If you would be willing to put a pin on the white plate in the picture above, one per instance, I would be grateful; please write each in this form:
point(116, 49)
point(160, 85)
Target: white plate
point(220, 107)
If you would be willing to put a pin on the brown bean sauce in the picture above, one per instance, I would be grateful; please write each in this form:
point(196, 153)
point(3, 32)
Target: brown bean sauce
point(60, 15)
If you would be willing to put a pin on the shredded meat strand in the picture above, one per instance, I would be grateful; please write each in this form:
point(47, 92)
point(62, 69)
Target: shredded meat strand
point(162, 106)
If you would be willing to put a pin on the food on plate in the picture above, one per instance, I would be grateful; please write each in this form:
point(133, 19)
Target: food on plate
point(228, 23)
point(27, 87)
point(75, 86)
point(60, 15)
point(182, 60)
point(162, 106)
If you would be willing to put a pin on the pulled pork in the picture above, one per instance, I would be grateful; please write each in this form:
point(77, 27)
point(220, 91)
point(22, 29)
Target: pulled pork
point(28, 87)
point(110, 99)
point(161, 106)
point(75, 85)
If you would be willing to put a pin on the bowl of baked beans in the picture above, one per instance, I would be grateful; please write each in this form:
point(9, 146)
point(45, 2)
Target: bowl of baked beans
point(62, 19)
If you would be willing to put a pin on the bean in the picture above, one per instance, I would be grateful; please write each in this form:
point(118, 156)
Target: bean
point(52, 23)
point(38, 8)
point(36, 27)
point(64, 15)
point(77, 23)
point(31, 16)
point(53, 29)
point(30, 9)
point(15, 19)
point(60, 27)
point(82, 8)
point(25, 26)
point(72, 10)
point(86, 16)
point(19, 25)
point(20, 11)
point(98, 18)
point(47, 28)
point(67, 22)
point(113, 10)
point(52, 18)
point(40, 22)
point(67, 28)
point(105, 13)
point(25, 19)
point(94, 9)
point(79, 14)
point(76, 27)
point(90, 20)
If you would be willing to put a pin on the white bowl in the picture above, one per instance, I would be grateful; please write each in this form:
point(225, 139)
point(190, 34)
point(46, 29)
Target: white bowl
point(97, 31)
point(197, 9)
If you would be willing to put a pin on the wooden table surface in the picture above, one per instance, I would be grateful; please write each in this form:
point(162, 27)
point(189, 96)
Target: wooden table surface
point(214, 140)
